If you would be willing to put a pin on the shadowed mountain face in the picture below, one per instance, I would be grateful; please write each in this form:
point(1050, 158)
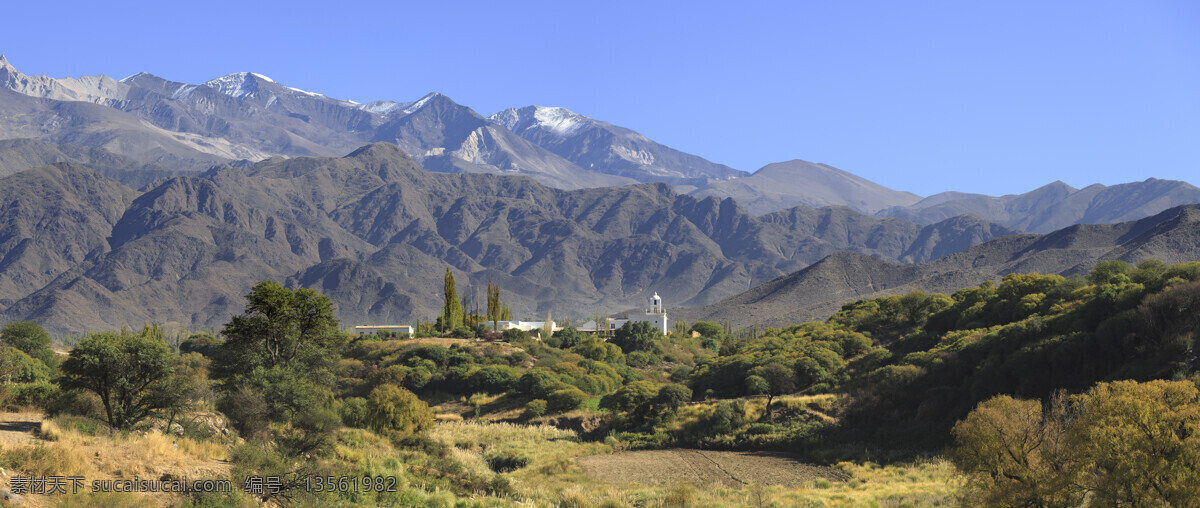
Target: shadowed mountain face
point(376, 232)
point(817, 291)
point(1056, 205)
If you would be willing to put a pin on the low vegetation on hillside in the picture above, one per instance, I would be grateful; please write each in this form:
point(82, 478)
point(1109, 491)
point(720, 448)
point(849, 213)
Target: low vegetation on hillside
point(1023, 392)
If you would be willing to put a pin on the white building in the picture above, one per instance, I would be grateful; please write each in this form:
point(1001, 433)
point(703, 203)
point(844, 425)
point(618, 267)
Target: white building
point(656, 315)
point(397, 329)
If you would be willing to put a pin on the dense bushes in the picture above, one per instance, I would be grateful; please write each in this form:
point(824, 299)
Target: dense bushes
point(1122, 443)
point(397, 413)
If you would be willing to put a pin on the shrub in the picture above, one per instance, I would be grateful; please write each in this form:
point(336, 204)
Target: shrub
point(535, 408)
point(39, 394)
point(641, 359)
point(30, 338)
point(397, 413)
point(18, 367)
point(567, 399)
point(353, 412)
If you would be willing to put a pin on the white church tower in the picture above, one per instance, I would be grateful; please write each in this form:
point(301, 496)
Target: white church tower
point(655, 315)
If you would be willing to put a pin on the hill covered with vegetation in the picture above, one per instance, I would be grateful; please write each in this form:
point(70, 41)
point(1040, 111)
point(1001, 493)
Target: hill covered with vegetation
point(1037, 389)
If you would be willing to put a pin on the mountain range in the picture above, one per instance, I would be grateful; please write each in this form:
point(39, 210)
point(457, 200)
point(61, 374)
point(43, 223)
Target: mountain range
point(1171, 236)
point(146, 200)
point(375, 231)
point(248, 116)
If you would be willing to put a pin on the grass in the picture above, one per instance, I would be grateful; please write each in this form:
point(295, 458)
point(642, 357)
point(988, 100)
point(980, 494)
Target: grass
point(458, 467)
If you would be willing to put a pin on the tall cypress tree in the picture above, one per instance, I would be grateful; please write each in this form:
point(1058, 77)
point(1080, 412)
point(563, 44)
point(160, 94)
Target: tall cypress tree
point(494, 311)
point(452, 310)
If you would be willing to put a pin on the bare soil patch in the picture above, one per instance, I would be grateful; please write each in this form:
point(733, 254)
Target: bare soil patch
point(18, 428)
point(705, 467)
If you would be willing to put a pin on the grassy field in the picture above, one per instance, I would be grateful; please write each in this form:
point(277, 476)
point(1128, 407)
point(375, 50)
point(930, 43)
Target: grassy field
point(479, 464)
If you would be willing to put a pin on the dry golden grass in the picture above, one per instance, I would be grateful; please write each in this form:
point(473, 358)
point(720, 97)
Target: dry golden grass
point(64, 452)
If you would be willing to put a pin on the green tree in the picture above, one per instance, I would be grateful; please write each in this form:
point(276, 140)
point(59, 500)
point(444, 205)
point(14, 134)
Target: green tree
point(547, 327)
point(494, 310)
point(452, 310)
point(636, 336)
point(780, 380)
point(708, 330)
point(30, 337)
point(126, 371)
point(1015, 454)
point(18, 367)
point(1140, 442)
point(671, 396)
point(294, 330)
point(628, 397)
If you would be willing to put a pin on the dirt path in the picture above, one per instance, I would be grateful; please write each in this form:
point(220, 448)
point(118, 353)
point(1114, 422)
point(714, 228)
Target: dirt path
point(704, 467)
point(17, 428)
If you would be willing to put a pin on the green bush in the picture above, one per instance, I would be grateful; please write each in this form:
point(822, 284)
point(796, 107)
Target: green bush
point(18, 367)
point(397, 413)
point(39, 394)
point(353, 412)
point(567, 399)
point(30, 338)
point(535, 408)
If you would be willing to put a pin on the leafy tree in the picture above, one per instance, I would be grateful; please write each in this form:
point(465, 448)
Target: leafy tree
point(636, 336)
point(30, 337)
point(353, 412)
point(202, 343)
point(628, 397)
point(452, 310)
point(757, 385)
point(18, 367)
point(126, 371)
point(397, 413)
point(1140, 442)
point(568, 337)
point(671, 396)
point(1015, 454)
point(780, 380)
point(294, 330)
point(495, 313)
point(708, 330)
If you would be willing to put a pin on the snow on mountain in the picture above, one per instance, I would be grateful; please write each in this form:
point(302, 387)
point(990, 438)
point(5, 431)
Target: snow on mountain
point(559, 121)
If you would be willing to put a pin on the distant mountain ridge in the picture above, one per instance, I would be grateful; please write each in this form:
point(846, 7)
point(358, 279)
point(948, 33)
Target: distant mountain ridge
point(783, 185)
point(376, 231)
point(246, 115)
point(815, 292)
point(1056, 205)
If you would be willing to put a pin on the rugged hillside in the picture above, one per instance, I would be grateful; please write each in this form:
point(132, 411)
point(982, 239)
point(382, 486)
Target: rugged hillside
point(52, 219)
point(21, 154)
point(607, 148)
point(1056, 205)
point(798, 183)
point(376, 231)
point(815, 292)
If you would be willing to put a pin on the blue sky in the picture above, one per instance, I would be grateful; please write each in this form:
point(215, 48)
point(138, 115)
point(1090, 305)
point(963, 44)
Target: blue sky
point(991, 97)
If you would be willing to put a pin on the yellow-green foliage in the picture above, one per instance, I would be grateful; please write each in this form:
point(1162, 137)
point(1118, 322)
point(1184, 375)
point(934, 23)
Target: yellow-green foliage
point(1121, 443)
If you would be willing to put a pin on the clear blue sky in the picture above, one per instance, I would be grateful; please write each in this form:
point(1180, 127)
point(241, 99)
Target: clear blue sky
point(992, 97)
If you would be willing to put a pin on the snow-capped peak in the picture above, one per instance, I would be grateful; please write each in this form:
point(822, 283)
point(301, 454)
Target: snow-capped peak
point(238, 84)
point(559, 121)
